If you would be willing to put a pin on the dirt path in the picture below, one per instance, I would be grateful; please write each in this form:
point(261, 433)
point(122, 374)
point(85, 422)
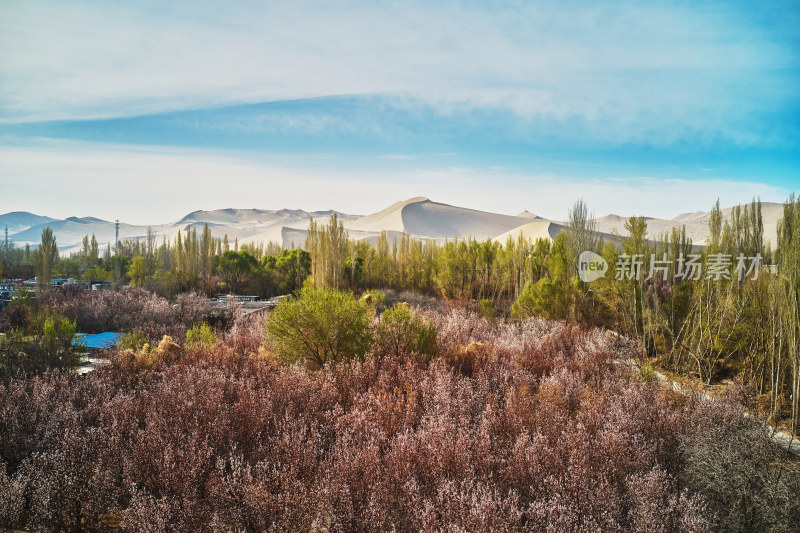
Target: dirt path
point(780, 438)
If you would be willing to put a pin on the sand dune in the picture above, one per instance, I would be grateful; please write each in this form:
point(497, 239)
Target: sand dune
point(696, 223)
point(538, 229)
point(418, 217)
point(543, 229)
point(244, 218)
point(423, 218)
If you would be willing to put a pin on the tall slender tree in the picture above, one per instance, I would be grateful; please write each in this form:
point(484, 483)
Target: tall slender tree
point(46, 257)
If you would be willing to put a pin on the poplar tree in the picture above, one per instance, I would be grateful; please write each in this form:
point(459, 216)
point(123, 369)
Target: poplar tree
point(715, 228)
point(788, 296)
point(46, 257)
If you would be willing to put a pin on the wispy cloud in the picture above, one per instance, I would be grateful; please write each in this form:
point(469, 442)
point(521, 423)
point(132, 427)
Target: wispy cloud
point(637, 71)
point(157, 185)
point(354, 105)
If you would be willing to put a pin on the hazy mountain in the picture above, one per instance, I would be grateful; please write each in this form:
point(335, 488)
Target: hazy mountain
point(70, 232)
point(21, 220)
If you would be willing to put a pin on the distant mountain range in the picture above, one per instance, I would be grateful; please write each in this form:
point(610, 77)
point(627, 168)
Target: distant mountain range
point(18, 221)
point(418, 217)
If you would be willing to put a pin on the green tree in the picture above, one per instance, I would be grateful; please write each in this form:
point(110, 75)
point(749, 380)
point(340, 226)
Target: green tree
point(545, 298)
point(635, 244)
point(715, 228)
point(89, 253)
point(294, 266)
point(48, 345)
point(96, 274)
point(237, 268)
point(487, 308)
point(55, 341)
point(138, 271)
point(558, 264)
point(401, 331)
point(207, 247)
point(320, 326)
point(328, 247)
point(581, 234)
point(636, 241)
point(46, 257)
point(788, 256)
point(200, 335)
point(67, 268)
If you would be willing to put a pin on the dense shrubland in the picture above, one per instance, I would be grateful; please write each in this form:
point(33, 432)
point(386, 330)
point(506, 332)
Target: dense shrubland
point(127, 310)
point(38, 333)
point(478, 390)
point(450, 422)
point(35, 342)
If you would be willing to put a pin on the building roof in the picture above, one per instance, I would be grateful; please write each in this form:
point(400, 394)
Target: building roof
point(100, 341)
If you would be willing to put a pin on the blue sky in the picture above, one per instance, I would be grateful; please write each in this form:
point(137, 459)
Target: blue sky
point(145, 111)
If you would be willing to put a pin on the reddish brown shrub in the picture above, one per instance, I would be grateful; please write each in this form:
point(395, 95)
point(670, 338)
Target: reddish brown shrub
point(532, 430)
point(126, 310)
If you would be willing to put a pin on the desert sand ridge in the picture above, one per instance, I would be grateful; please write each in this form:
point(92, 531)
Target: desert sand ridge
point(433, 220)
point(543, 229)
point(696, 223)
point(538, 229)
point(418, 217)
point(389, 219)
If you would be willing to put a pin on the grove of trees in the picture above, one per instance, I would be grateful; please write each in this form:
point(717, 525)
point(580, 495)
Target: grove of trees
point(522, 426)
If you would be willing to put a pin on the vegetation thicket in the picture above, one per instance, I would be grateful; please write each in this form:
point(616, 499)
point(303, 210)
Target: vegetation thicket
point(450, 421)
point(480, 390)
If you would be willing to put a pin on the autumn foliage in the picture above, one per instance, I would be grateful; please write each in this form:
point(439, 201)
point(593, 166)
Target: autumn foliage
point(524, 427)
point(127, 310)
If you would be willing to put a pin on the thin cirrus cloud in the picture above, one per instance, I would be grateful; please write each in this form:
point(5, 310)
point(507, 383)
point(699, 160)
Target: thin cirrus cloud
point(622, 64)
point(703, 94)
point(200, 179)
